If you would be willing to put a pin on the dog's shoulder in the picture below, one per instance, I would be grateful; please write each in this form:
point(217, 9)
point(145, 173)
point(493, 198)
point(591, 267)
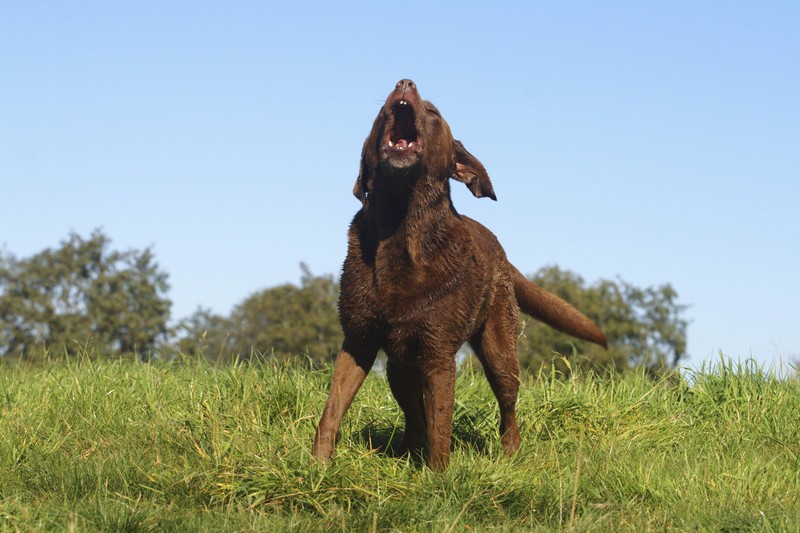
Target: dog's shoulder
point(482, 237)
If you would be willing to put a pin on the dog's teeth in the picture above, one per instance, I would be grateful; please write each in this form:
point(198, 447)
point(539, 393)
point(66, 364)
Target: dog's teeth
point(410, 144)
point(391, 143)
point(403, 102)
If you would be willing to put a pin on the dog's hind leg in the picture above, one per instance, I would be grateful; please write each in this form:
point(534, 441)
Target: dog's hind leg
point(496, 348)
point(406, 385)
point(352, 365)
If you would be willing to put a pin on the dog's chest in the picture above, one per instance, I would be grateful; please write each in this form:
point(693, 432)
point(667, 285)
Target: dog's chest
point(404, 293)
point(419, 298)
point(414, 275)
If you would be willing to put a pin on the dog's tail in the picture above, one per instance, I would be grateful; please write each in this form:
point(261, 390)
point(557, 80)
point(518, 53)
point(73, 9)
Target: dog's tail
point(553, 311)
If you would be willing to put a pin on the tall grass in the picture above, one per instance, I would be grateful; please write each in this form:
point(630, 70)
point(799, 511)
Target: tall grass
point(189, 446)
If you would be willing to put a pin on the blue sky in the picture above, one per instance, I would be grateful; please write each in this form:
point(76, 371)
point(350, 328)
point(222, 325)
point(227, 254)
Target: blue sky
point(657, 142)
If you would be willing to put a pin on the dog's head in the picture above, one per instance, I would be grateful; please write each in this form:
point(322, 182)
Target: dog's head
point(410, 139)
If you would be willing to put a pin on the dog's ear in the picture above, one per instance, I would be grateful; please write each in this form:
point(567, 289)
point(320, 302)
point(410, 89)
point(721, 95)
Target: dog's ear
point(470, 172)
point(366, 177)
point(369, 161)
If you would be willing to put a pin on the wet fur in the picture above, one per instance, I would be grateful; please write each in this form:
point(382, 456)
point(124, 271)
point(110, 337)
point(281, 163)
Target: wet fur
point(420, 279)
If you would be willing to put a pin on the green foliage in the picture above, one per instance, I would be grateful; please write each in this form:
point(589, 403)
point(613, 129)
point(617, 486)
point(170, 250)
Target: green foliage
point(645, 327)
point(205, 334)
point(282, 321)
point(82, 295)
point(192, 446)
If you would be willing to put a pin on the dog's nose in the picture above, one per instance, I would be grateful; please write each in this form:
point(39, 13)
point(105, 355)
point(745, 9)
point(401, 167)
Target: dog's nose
point(406, 86)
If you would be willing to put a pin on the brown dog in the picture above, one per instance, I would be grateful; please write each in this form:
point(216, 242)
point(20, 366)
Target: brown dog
point(419, 280)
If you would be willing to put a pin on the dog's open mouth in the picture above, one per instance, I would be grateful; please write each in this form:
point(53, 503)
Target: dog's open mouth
point(402, 138)
point(404, 131)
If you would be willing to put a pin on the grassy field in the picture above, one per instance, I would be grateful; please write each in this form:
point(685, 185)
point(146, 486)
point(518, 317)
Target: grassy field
point(188, 446)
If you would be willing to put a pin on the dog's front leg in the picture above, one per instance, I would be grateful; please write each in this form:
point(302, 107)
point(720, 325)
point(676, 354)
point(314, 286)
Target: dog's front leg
point(352, 366)
point(439, 389)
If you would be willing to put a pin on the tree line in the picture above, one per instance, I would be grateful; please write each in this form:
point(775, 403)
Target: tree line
point(85, 297)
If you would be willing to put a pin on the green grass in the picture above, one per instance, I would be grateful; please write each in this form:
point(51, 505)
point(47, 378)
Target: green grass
point(188, 446)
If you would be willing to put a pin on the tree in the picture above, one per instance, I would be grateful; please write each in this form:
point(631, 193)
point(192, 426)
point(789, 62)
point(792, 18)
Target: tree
point(82, 296)
point(281, 321)
point(205, 334)
point(645, 327)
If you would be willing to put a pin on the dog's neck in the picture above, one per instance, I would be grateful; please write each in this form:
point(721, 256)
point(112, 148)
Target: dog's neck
point(413, 208)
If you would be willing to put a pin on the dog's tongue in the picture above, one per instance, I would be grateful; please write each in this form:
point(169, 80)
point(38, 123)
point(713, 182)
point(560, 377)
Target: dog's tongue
point(401, 143)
